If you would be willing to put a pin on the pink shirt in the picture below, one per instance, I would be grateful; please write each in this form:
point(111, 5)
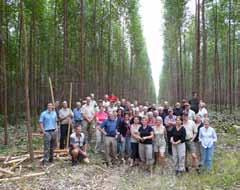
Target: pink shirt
point(101, 117)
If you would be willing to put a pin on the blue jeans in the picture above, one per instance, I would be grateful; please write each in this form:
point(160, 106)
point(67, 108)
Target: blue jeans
point(207, 157)
point(124, 147)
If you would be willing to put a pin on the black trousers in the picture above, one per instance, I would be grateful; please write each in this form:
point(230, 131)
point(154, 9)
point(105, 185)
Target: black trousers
point(63, 135)
point(169, 144)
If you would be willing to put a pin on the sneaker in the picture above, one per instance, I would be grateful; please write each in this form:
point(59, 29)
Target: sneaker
point(51, 160)
point(74, 163)
point(176, 172)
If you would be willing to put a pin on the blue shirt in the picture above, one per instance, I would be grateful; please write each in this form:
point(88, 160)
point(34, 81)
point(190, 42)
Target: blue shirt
point(110, 127)
point(48, 119)
point(77, 114)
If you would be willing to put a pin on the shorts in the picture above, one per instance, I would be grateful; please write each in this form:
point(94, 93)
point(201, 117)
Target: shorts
point(159, 148)
point(190, 147)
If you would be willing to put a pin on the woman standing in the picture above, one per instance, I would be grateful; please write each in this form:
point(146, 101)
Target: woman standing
point(199, 125)
point(203, 111)
point(178, 146)
point(145, 144)
point(124, 138)
point(159, 141)
point(207, 137)
point(134, 140)
point(101, 116)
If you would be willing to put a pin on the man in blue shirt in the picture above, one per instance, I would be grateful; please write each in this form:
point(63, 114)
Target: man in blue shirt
point(109, 129)
point(77, 114)
point(48, 124)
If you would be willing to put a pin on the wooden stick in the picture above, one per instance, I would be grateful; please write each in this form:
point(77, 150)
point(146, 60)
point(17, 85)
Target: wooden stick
point(70, 106)
point(6, 171)
point(53, 101)
point(20, 170)
point(16, 165)
point(14, 161)
point(22, 177)
point(51, 89)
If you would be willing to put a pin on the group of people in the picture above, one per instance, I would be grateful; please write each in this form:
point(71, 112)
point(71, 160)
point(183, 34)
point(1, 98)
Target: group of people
point(139, 134)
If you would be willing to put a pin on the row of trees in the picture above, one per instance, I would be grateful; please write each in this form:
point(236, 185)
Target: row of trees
point(202, 52)
point(97, 45)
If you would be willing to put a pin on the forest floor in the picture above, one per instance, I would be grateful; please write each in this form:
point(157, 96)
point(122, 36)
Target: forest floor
point(61, 175)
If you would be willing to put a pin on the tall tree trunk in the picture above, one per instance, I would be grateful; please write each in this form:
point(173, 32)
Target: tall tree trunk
point(217, 88)
point(4, 70)
point(229, 57)
point(65, 45)
point(109, 74)
point(204, 52)
point(197, 61)
point(180, 64)
point(81, 31)
point(26, 83)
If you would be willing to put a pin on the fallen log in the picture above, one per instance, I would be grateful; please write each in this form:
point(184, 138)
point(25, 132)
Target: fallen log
point(3, 170)
point(55, 151)
point(15, 160)
point(16, 165)
point(2, 158)
point(7, 158)
point(22, 177)
point(37, 134)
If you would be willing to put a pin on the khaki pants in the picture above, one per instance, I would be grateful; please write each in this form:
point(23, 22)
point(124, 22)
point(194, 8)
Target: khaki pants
point(99, 141)
point(179, 154)
point(146, 153)
point(88, 129)
point(110, 148)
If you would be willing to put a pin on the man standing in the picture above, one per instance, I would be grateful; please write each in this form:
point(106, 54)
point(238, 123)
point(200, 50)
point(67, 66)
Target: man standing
point(78, 149)
point(194, 102)
point(88, 112)
point(106, 102)
point(48, 124)
point(65, 118)
point(77, 114)
point(93, 101)
point(109, 129)
point(191, 133)
point(191, 113)
point(170, 122)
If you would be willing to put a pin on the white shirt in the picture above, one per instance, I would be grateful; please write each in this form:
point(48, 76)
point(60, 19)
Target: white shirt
point(191, 115)
point(203, 112)
point(88, 111)
point(93, 103)
point(106, 103)
point(64, 113)
point(111, 109)
point(207, 137)
point(190, 128)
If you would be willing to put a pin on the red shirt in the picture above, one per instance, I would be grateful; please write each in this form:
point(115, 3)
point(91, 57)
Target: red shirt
point(112, 98)
point(101, 117)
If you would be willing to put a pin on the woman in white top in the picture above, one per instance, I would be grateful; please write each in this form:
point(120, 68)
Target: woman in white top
point(207, 137)
point(159, 141)
point(202, 111)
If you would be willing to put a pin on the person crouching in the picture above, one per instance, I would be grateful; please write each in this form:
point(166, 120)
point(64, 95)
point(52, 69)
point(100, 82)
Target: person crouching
point(78, 146)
